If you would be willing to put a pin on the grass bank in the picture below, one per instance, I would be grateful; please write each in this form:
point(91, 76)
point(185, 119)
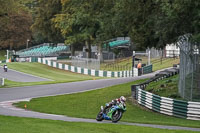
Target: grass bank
point(9, 83)
point(167, 87)
point(168, 62)
point(87, 105)
point(48, 72)
point(126, 64)
point(28, 125)
point(41, 70)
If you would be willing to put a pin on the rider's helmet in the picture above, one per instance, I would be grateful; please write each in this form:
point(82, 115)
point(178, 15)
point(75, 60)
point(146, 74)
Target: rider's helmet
point(123, 99)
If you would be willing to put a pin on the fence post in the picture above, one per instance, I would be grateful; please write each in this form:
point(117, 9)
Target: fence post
point(133, 90)
point(149, 58)
point(133, 63)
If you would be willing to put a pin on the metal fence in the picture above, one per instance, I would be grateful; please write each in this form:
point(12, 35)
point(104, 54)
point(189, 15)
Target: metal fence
point(143, 53)
point(178, 108)
point(86, 63)
point(172, 53)
point(158, 53)
point(189, 83)
point(155, 53)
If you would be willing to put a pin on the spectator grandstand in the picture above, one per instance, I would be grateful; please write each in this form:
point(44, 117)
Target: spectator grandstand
point(119, 43)
point(117, 47)
point(42, 50)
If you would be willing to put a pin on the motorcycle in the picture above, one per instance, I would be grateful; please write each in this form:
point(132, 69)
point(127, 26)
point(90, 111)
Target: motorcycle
point(113, 113)
point(5, 69)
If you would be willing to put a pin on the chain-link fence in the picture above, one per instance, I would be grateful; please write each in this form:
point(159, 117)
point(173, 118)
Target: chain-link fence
point(172, 53)
point(189, 83)
point(86, 63)
point(155, 53)
point(159, 53)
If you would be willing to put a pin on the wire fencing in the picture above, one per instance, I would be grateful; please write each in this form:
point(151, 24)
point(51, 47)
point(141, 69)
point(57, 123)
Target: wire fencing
point(85, 63)
point(189, 82)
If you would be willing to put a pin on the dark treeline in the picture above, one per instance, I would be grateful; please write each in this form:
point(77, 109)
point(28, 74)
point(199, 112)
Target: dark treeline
point(149, 23)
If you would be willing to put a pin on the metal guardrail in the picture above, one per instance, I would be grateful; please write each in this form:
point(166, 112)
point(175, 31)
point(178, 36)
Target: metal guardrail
point(86, 71)
point(147, 69)
point(168, 106)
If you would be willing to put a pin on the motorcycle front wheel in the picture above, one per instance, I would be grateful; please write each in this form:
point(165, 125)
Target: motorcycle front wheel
point(99, 116)
point(116, 116)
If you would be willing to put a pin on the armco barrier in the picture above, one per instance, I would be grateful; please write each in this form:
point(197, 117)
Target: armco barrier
point(168, 106)
point(92, 72)
point(147, 69)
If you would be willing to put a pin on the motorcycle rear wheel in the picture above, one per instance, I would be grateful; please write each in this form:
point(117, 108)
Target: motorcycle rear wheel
point(99, 116)
point(116, 116)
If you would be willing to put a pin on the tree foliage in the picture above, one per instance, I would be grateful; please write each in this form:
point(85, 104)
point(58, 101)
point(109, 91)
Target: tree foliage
point(46, 11)
point(15, 24)
point(149, 23)
point(76, 22)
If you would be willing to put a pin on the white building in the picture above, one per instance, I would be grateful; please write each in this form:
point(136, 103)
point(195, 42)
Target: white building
point(172, 50)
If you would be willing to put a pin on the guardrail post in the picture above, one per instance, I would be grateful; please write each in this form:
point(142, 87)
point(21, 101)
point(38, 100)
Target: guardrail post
point(133, 90)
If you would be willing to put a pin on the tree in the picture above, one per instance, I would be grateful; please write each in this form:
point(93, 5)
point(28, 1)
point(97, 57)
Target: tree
point(84, 21)
point(156, 23)
point(17, 31)
point(106, 29)
point(149, 23)
point(46, 11)
point(14, 25)
point(179, 18)
point(134, 19)
point(76, 23)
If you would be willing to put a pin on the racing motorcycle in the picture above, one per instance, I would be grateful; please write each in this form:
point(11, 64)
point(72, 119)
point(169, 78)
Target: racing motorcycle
point(113, 113)
point(5, 68)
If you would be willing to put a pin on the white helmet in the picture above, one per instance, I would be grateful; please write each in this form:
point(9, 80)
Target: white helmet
point(123, 99)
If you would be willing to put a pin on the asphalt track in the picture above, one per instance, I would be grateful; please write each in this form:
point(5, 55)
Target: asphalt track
point(8, 96)
point(19, 76)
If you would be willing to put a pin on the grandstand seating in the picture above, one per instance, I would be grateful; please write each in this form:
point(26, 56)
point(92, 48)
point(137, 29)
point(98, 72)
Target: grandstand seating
point(118, 43)
point(42, 51)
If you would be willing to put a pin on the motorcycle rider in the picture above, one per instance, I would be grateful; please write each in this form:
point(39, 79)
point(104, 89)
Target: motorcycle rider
point(122, 100)
point(5, 67)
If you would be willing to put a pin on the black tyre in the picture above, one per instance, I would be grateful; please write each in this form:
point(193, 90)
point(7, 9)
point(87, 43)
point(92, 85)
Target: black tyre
point(116, 116)
point(99, 116)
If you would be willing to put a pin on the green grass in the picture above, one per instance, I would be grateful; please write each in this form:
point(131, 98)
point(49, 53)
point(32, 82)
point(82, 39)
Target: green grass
point(126, 64)
point(9, 83)
point(41, 70)
point(87, 105)
point(167, 87)
point(29, 125)
point(165, 63)
point(48, 72)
